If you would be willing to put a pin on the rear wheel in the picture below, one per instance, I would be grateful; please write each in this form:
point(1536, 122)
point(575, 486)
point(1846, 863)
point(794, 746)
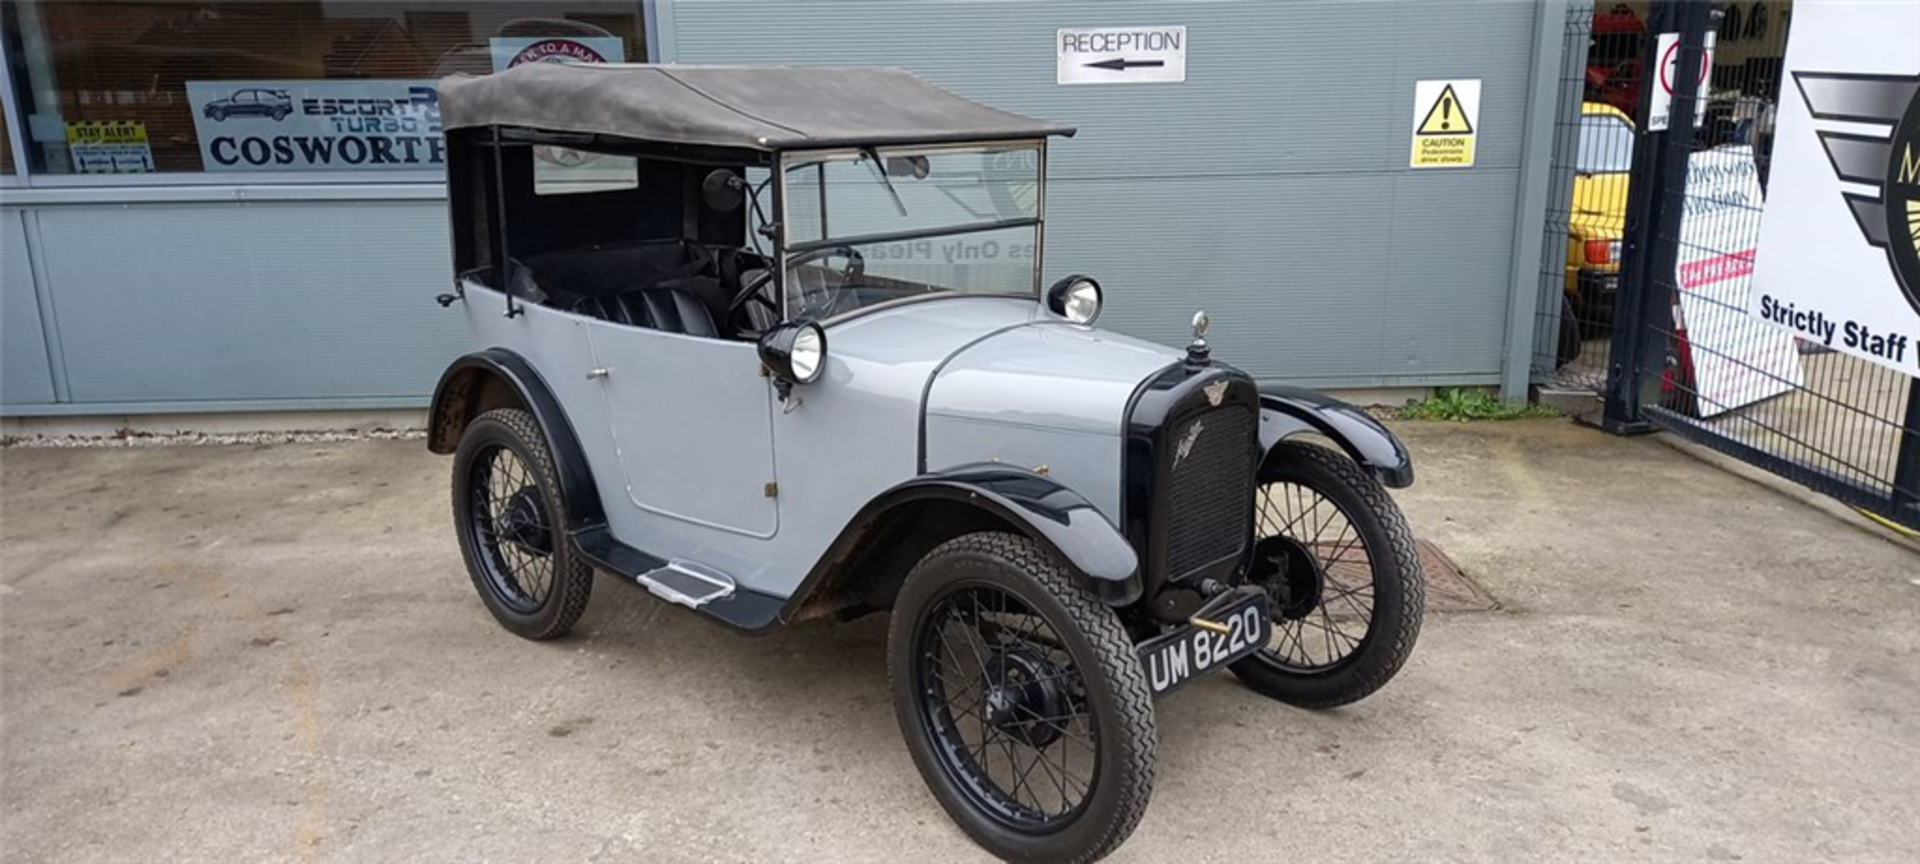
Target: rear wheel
point(1021, 700)
point(511, 524)
point(1345, 587)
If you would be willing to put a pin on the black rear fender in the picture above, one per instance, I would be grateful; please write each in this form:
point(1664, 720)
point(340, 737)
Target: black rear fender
point(498, 378)
point(1289, 411)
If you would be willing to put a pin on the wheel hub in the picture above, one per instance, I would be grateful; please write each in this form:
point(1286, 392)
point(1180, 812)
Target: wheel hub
point(524, 523)
point(1024, 697)
point(1292, 576)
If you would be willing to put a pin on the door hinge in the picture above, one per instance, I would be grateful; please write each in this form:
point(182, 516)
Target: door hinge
point(596, 373)
point(772, 490)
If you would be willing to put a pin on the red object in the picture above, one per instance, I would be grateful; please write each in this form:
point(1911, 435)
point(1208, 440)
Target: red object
point(1614, 59)
point(1599, 251)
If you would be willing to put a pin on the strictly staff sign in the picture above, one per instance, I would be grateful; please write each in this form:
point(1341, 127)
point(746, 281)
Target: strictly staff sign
point(344, 125)
point(1839, 257)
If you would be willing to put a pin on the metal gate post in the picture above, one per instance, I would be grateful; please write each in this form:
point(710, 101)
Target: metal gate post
point(1536, 180)
point(1656, 201)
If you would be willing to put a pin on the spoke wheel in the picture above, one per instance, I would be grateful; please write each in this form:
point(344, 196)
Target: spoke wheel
point(1021, 700)
point(1318, 572)
point(511, 529)
point(1336, 559)
point(1006, 708)
point(511, 522)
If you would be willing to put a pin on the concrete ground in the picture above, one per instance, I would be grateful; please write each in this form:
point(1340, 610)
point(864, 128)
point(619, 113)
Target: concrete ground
point(273, 654)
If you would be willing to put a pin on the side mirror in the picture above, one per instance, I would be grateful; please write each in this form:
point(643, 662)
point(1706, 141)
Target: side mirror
point(1076, 298)
point(794, 352)
point(723, 190)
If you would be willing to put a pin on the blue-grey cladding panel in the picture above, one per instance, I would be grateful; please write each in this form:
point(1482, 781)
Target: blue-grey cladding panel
point(1271, 187)
point(293, 300)
point(24, 375)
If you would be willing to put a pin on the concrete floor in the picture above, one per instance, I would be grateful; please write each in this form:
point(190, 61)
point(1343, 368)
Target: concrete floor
point(272, 654)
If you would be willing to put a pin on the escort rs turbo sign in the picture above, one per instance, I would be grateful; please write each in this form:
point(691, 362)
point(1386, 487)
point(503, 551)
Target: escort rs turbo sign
point(357, 125)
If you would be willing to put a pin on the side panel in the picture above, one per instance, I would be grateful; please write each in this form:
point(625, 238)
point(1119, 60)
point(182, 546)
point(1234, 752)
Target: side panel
point(691, 422)
point(1087, 463)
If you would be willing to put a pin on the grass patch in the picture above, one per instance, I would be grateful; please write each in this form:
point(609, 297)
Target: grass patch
point(1462, 404)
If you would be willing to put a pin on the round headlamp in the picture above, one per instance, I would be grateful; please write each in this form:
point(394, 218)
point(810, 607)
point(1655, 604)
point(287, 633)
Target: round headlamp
point(795, 352)
point(1075, 298)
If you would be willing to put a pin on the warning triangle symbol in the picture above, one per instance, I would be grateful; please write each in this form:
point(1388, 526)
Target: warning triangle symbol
point(1446, 117)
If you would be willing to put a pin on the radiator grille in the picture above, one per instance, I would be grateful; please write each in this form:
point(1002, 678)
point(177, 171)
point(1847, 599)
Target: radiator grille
point(1211, 488)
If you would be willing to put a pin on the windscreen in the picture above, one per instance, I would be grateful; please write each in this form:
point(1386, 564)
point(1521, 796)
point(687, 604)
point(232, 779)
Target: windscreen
point(1606, 145)
point(865, 227)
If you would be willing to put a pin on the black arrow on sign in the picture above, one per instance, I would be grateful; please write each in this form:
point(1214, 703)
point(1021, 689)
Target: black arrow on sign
point(1122, 64)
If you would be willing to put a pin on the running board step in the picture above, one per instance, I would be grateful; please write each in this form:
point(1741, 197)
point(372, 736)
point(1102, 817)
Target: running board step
point(687, 583)
point(683, 583)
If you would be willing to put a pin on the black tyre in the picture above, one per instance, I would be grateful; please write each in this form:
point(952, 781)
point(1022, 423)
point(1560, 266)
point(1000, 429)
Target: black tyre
point(511, 523)
point(1337, 560)
point(1021, 700)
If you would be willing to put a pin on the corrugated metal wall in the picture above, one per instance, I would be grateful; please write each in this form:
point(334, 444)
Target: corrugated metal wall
point(1271, 188)
point(227, 305)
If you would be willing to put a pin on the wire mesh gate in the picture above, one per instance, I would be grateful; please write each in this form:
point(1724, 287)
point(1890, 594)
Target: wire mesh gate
point(1648, 306)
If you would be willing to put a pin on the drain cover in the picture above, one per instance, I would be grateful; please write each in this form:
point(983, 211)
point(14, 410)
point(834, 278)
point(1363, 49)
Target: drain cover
point(1449, 589)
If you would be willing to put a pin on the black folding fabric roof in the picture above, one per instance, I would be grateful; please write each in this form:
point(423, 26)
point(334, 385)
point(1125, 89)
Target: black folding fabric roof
point(756, 108)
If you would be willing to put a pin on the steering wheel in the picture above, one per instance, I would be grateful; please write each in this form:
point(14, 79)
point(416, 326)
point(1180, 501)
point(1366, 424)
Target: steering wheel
point(753, 289)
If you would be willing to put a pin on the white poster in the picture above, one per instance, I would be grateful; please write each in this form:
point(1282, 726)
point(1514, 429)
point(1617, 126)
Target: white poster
point(321, 125)
point(1839, 256)
point(1446, 123)
point(1734, 363)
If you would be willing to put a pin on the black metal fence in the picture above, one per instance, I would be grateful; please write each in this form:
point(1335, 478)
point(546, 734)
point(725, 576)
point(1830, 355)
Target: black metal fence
point(1657, 322)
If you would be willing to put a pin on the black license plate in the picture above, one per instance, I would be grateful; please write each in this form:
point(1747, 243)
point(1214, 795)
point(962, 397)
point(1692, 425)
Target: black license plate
point(1191, 651)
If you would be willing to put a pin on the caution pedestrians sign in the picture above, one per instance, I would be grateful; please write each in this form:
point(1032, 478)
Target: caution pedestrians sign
point(1446, 122)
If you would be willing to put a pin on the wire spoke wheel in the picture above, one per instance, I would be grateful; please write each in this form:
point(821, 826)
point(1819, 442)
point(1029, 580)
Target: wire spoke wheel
point(1007, 708)
point(1021, 699)
point(1337, 561)
point(1316, 567)
point(511, 529)
point(512, 521)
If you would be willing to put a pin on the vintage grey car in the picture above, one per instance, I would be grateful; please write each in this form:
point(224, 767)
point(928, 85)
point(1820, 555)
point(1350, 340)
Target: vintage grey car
point(772, 343)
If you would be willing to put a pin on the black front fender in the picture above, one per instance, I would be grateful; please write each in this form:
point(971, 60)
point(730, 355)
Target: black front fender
point(1289, 411)
point(1051, 514)
point(499, 378)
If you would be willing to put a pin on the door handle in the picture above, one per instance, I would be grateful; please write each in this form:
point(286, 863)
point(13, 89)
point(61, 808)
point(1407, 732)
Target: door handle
point(596, 373)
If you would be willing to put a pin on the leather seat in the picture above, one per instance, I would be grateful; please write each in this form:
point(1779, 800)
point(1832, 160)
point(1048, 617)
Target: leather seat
point(669, 310)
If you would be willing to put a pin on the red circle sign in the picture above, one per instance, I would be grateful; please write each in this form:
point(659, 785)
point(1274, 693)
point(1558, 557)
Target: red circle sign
point(1670, 60)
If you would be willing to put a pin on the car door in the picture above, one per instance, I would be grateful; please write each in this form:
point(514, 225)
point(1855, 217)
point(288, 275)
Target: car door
point(692, 421)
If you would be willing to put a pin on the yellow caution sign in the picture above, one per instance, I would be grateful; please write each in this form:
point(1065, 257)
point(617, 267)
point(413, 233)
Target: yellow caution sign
point(1446, 123)
point(109, 147)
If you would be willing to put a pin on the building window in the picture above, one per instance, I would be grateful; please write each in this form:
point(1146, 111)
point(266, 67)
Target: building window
point(317, 87)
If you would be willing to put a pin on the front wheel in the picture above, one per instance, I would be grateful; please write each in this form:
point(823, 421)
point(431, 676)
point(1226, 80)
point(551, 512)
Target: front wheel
point(1337, 561)
point(1021, 700)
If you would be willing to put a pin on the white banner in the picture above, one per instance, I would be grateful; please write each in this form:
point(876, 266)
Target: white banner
point(1839, 256)
point(321, 125)
point(1734, 363)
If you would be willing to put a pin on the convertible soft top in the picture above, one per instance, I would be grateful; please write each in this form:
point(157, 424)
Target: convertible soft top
point(756, 108)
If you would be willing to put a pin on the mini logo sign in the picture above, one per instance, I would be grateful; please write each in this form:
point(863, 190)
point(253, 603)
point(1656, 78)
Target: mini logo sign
point(1216, 392)
point(1893, 222)
point(1185, 447)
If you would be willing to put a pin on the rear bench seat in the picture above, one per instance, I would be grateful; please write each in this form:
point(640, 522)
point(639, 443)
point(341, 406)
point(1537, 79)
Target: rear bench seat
point(660, 284)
